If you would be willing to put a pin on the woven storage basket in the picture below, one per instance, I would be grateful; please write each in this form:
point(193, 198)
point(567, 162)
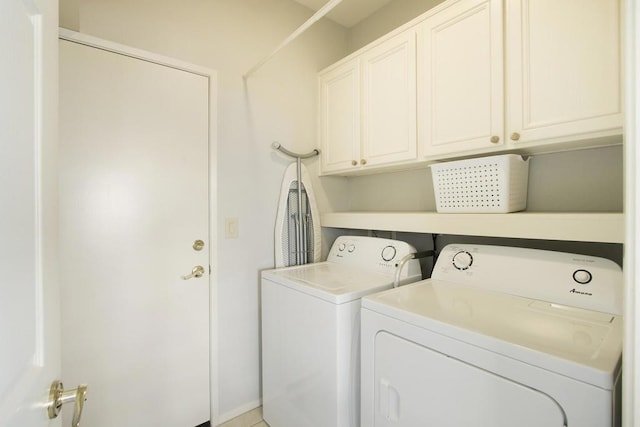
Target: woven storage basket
point(496, 184)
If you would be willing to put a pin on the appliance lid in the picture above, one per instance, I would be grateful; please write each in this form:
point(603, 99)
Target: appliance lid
point(333, 282)
point(582, 344)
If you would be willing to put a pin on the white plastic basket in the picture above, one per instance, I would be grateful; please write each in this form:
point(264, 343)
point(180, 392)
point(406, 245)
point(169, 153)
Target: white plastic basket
point(496, 184)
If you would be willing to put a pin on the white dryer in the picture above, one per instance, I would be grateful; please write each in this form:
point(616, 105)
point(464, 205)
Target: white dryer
point(498, 337)
point(311, 331)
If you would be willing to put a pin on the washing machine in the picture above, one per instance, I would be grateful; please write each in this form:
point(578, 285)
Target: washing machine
point(498, 337)
point(311, 331)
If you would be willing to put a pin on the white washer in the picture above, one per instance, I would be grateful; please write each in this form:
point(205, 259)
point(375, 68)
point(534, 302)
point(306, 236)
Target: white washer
point(498, 337)
point(311, 331)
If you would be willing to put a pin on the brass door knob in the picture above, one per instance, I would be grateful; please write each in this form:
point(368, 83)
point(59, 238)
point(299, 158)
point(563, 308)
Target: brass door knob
point(354, 163)
point(495, 139)
point(58, 396)
point(515, 136)
point(363, 162)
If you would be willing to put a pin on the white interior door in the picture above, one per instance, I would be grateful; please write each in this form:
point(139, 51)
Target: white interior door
point(29, 341)
point(134, 198)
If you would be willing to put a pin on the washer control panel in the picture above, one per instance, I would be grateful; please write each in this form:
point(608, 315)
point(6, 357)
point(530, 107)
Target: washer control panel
point(389, 253)
point(562, 278)
point(373, 253)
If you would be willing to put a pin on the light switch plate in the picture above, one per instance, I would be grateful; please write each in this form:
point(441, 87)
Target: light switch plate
point(231, 228)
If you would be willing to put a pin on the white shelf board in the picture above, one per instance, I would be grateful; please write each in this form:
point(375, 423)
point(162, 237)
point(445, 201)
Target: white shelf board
point(580, 227)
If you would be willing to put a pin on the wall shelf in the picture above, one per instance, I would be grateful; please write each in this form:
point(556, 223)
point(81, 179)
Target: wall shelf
point(574, 226)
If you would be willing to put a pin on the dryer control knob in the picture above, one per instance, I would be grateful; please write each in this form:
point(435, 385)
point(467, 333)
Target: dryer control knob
point(341, 247)
point(388, 253)
point(582, 276)
point(462, 260)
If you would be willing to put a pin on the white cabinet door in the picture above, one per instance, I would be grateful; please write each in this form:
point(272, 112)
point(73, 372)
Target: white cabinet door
point(340, 118)
point(389, 101)
point(460, 78)
point(563, 69)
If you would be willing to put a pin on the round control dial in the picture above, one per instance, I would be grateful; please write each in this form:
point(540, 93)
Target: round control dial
point(462, 260)
point(388, 253)
point(351, 248)
point(341, 247)
point(582, 276)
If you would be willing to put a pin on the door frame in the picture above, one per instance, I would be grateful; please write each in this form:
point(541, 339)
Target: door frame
point(212, 77)
point(631, 365)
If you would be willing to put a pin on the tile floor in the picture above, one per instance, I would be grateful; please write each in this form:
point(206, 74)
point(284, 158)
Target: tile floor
point(249, 419)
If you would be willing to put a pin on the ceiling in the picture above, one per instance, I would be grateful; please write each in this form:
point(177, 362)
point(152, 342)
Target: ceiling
point(349, 12)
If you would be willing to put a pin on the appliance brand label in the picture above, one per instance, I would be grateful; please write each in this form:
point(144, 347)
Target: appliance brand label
point(574, 291)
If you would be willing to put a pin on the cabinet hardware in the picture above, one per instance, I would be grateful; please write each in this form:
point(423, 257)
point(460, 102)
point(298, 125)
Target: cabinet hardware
point(495, 139)
point(515, 136)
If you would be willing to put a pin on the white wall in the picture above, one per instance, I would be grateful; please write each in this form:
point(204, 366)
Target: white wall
point(278, 103)
point(385, 19)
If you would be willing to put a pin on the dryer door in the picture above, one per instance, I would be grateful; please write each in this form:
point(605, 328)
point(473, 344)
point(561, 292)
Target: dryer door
point(416, 386)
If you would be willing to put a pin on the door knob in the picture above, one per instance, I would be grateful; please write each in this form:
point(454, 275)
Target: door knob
point(58, 396)
point(197, 271)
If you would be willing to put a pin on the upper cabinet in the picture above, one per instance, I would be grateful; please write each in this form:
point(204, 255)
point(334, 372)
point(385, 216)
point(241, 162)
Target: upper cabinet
point(563, 63)
point(340, 117)
point(367, 108)
point(460, 79)
point(389, 101)
point(474, 77)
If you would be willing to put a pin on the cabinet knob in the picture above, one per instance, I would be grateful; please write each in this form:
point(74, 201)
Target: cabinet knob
point(495, 139)
point(515, 136)
point(353, 163)
point(363, 162)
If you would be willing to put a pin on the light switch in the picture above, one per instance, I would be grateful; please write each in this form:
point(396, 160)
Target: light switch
point(231, 228)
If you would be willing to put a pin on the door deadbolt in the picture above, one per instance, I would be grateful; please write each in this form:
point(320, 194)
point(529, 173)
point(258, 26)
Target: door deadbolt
point(198, 245)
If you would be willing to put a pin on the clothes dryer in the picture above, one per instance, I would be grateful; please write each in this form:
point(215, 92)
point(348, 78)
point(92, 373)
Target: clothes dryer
point(311, 331)
point(498, 337)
